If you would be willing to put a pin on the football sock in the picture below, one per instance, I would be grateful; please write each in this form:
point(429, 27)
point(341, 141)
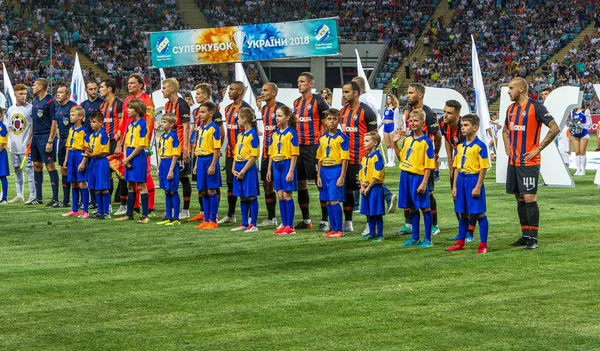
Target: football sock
point(20, 181)
point(130, 202)
point(66, 186)
point(38, 179)
point(106, 203)
point(463, 227)
point(522, 211)
point(282, 207)
point(169, 205)
point(85, 199)
point(472, 224)
point(245, 207)
point(349, 205)
point(270, 200)
point(254, 211)
point(324, 211)
point(427, 218)
point(415, 218)
point(99, 202)
point(144, 204)
point(176, 205)
point(371, 222)
point(206, 202)
point(379, 224)
point(337, 211)
point(533, 216)
point(92, 196)
point(289, 207)
point(186, 191)
point(231, 200)
point(214, 207)
point(75, 204)
point(433, 206)
point(303, 203)
point(483, 229)
point(54, 183)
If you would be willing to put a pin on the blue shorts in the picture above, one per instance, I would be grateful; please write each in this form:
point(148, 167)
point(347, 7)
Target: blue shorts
point(465, 202)
point(73, 174)
point(99, 173)
point(203, 180)
point(4, 169)
point(373, 203)
point(163, 172)
point(138, 173)
point(248, 186)
point(407, 192)
point(38, 149)
point(279, 172)
point(388, 127)
point(329, 190)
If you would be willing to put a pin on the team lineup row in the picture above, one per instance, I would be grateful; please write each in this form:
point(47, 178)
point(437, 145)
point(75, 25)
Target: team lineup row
point(309, 141)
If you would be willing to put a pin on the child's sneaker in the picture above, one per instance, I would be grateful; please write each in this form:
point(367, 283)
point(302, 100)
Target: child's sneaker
point(71, 214)
point(163, 222)
point(469, 238)
point(289, 231)
point(144, 220)
point(410, 242)
point(251, 229)
point(239, 228)
point(378, 239)
point(326, 235)
point(211, 225)
point(425, 244)
point(435, 230)
point(367, 237)
point(280, 231)
point(456, 247)
point(196, 218)
point(201, 225)
point(83, 215)
point(337, 235)
point(173, 222)
point(323, 227)
point(482, 248)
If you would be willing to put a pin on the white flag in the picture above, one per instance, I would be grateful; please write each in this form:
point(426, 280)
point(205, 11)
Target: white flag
point(162, 76)
point(361, 71)
point(78, 94)
point(9, 92)
point(481, 103)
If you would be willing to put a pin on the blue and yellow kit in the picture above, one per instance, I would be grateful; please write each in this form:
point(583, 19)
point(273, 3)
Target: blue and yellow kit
point(284, 145)
point(417, 154)
point(333, 149)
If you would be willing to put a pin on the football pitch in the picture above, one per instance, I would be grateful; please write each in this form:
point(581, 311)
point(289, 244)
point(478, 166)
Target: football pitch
point(74, 284)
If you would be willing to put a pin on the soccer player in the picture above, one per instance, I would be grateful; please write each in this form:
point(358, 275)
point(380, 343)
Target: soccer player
point(416, 162)
point(136, 167)
point(357, 119)
point(236, 94)
point(75, 163)
point(4, 169)
point(168, 171)
point(43, 140)
point(372, 176)
point(333, 156)
point(180, 108)
point(19, 131)
point(63, 121)
point(308, 110)
point(283, 154)
point(521, 133)
point(269, 96)
point(112, 112)
point(470, 166)
point(415, 94)
point(91, 105)
point(203, 93)
point(450, 126)
point(208, 174)
point(244, 170)
point(98, 167)
point(136, 86)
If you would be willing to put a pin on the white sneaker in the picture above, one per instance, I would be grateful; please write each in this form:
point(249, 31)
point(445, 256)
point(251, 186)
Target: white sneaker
point(16, 199)
point(323, 227)
point(227, 219)
point(251, 229)
point(367, 231)
point(184, 214)
point(30, 200)
point(269, 223)
point(435, 230)
point(393, 204)
point(3, 202)
point(582, 173)
point(390, 164)
point(239, 228)
point(121, 211)
point(347, 227)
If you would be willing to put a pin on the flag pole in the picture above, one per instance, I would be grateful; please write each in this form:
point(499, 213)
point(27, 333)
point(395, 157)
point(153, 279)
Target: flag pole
point(51, 64)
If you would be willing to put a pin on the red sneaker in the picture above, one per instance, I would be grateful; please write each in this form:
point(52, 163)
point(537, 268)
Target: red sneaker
point(279, 231)
point(456, 247)
point(328, 233)
point(196, 218)
point(482, 248)
point(289, 231)
point(337, 235)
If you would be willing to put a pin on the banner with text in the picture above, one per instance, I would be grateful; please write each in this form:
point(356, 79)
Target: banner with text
point(257, 42)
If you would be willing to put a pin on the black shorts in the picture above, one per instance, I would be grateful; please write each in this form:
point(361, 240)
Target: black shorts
point(431, 182)
point(352, 182)
point(112, 146)
point(306, 166)
point(228, 173)
point(62, 151)
point(185, 168)
point(522, 179)
point(264, 167)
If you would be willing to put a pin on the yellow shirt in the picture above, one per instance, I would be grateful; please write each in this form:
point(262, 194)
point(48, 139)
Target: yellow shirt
point(209, 139)
point(284, 145)
point(99, 142)
point(247, 145)
point(168, 145)
point(3, 134)
point(77, 138)
point(471, 158)
point(137, 134)
point(333, 149)
point(417, 155)
point(371, 167)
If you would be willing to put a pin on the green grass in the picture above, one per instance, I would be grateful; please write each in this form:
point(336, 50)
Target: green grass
point(70, 284)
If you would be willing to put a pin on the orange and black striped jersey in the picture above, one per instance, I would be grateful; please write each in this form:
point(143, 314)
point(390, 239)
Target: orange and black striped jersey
point(524, 124)
point(181, 110)
point(452, 135)
point(231, 123)
point(356, 122)
point(270, 125)
point(308, 114)
point(112, 112)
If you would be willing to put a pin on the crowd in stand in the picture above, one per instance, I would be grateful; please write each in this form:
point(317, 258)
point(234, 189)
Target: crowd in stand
point(514, 39)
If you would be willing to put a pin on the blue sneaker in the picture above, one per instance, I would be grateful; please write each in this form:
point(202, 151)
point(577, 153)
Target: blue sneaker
point(453, 238)
point(469, 238)
point(409, 242)
point(425, 244)
point(367, 237)
point(377, 239)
